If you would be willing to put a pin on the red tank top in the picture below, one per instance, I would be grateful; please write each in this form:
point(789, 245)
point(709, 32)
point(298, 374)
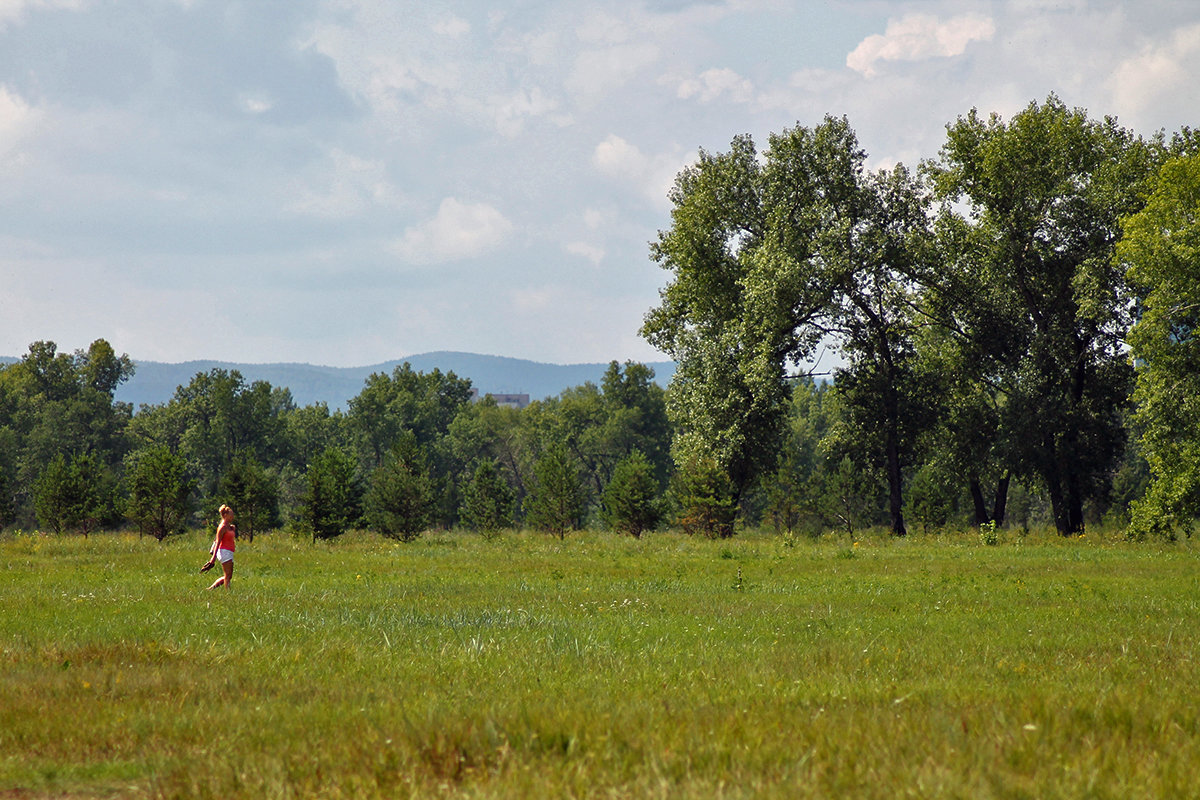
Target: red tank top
point(227, 536)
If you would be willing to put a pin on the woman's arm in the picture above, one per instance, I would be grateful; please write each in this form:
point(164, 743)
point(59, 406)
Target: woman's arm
point(212, 551)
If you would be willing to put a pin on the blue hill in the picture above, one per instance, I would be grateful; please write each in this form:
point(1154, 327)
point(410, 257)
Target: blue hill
point(155, 382)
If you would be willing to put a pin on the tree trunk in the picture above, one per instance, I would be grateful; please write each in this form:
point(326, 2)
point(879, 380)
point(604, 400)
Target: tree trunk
point(1058, 507)
point(1000, 508)
point(1074, 506)
point(1066, 499)
point(1060, 504)
point(895, 487)
point(981, 515)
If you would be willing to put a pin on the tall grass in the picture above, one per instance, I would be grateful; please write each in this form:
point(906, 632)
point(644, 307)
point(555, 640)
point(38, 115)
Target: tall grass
point(600, 667)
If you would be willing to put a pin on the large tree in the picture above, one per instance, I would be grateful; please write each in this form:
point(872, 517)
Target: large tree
point(216, 418)
point(423, 403)
point(879, 236)
point(770, 256)
point(1031, 290)
point(749, 288)
point(55, 404)
point(1162, 250)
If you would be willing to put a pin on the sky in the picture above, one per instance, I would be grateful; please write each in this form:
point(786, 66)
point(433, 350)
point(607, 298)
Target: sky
point(347, 182)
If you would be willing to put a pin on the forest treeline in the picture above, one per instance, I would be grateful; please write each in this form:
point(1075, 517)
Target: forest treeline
point(412, 451)
point(1016, 321)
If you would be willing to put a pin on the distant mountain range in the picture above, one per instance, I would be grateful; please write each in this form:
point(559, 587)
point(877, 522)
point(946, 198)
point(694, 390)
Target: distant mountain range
point(155, 382)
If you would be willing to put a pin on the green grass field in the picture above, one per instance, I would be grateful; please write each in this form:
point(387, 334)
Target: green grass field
point(600, 667)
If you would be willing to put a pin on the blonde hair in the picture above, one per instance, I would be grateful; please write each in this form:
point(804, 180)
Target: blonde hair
point(223, 509)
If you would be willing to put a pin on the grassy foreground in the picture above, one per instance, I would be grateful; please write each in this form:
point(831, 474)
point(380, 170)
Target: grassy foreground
point(599, 667)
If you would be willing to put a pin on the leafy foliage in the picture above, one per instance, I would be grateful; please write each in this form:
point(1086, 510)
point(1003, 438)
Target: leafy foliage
point(632, 502)
point(1162, 250)
point(75, 493)
point(160, 491)
point(704, 499)
point(400, 497)
point(976, 306)
point(557, 500)
point(1034, 206)
point(488, 500)
point(332, 501)
point(253, 493)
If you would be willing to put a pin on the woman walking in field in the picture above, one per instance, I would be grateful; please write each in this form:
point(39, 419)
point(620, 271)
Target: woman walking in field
point(222, 548)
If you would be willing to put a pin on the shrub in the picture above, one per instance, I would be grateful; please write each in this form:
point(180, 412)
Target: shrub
point(931, 498)
point(488, 500)
point(631, 499)
point(160, 492)
point(556, 501)
point(75, 493)
point(704, 499)
point(846, 495)
point(400, 496)
point(332, 500)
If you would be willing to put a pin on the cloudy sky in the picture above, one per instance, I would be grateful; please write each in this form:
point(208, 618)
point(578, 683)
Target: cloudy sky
point(345, 182)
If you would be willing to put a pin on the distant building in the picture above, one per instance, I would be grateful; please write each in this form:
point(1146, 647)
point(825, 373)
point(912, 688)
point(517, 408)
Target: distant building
point(510, 400)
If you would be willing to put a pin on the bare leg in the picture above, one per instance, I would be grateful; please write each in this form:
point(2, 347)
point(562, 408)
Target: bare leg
point(227, 569)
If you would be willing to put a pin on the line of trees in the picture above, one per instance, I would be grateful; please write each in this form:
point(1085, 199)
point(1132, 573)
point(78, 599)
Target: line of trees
point(411, 452)
point(1017, 325)
point(982, 306)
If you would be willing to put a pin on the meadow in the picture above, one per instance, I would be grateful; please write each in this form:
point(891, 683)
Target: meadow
point(600, 667)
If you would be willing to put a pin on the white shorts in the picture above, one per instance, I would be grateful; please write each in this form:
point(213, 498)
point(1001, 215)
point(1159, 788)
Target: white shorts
point(224, 556)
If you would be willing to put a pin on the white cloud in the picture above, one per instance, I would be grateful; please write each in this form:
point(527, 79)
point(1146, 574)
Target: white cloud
point(483, 131)
point(253, 103)
point(653, 176)
point(17, 119)
point(595, 218)
point(532, 300)
point(13, 9)
point(458, 231)
point(590, 252)
point(539, 48)
point(918, 37)
point(1160, 72)
point(510, 111)
point(348, 186)
point(599, 71)
point(452, 26)
point(601, 27)
point(714, 83)
point(616, 157)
